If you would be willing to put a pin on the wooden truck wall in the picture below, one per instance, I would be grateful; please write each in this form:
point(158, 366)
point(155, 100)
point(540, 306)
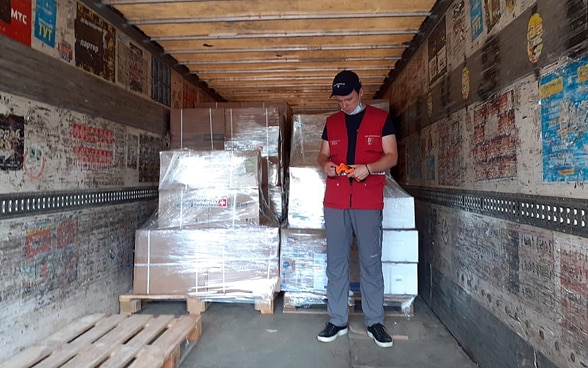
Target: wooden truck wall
point(493, 117)
point(84, 111)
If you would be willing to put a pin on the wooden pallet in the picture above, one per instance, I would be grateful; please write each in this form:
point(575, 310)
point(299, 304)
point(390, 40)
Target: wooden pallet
point(115, 342)
point(394, 306)
point(133, 303)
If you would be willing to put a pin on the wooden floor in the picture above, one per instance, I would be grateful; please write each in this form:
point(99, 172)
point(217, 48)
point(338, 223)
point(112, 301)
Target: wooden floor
point(116, 341)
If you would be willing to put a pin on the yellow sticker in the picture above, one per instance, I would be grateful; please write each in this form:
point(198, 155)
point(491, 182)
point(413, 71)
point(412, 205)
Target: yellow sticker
point(465, 83)
point(552, 87)
point(535, 37)
point(583, 74)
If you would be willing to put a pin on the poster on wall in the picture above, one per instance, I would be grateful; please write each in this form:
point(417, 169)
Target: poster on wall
point(132, 65)
point(160, 82)
point(493, 13)
point(93, 148)
point(15, 20)
point(11, 142)
point(95, 43)
point(45, 20)
point(177, 90)
point(564, 123)
point(190, 95)
point(494, 139)
point(476, 18)
point(438, 52)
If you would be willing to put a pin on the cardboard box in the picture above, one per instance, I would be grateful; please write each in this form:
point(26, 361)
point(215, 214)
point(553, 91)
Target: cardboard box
point(199, 129)
point(254, 128)
point(398, 207)
point(400, 246)
point(191, 169)
point(400, 278)
point(210, 207)
point(178, 261)
point(305, 198)
point(303, 261)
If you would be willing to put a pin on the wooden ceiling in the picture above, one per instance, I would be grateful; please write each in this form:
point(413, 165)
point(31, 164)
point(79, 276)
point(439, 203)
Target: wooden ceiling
point(280, 50)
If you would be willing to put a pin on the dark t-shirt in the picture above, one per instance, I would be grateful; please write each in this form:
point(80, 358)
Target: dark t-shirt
point(353, 122)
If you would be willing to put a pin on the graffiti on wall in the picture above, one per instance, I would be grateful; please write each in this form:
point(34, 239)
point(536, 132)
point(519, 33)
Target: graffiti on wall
point(494, 139)
point(132, 66)
point(437, 48)
point(50, 260)
point(132, 151)
point(574, 288)
point(93, 148)
point(95, 43)
point(493, 13)
point(150, 147)
point(15, 20)
point(450, 143)
point(11, 142)
point(414, 151)
point(564, 122)
point(537, 274)
point(190, 96)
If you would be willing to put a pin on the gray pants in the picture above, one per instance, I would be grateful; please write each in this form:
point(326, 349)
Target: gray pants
point(341, 226)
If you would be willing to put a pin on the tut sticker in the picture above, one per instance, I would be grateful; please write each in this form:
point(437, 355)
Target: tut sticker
point(535, 38)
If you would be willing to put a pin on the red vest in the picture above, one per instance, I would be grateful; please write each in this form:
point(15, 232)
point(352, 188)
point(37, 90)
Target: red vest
point(367, 194)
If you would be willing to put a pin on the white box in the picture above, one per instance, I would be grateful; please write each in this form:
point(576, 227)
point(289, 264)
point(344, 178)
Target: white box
point(400, 278)
point(398, 207)
point(400, 246)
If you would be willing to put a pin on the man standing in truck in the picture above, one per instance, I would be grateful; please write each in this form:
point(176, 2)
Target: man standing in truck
point(362, 139)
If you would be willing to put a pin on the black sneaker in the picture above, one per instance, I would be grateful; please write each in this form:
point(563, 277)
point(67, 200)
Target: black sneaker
point(331, 332)
point(380, 335)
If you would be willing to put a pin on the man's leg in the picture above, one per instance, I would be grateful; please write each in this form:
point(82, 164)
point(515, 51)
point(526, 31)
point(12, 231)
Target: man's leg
point(339, 238)
point(367, 225)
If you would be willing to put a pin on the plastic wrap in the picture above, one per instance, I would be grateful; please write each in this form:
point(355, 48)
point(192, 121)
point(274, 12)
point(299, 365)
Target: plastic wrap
point(212, 189)
point(213, 235)
point(305, 197)
point(210, 263)
point(398, 207)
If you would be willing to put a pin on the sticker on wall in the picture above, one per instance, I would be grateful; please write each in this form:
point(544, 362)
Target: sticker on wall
point(95, 43)
point(11, 142)
point(430, 104)
point(465, 83)
point(437, 47)
point(45, 18)
point(5, 11)
point(510, 4)
point(15, 20)
point(34, 162)
point(564, 93)
point(476, 18)
point(65, 51)
point(535, 37)
point(493, 13)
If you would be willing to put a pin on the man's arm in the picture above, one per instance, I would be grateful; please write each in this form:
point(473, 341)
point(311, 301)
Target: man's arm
point(324, 159)
point(390, 158)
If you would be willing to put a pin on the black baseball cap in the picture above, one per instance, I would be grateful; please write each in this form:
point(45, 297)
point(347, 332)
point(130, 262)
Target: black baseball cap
point(345, 82)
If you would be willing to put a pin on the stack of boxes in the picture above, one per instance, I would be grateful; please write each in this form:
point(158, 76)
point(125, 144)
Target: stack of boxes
point(238, 127)
point(400, 244)
point(303, 240)
point(216, 233)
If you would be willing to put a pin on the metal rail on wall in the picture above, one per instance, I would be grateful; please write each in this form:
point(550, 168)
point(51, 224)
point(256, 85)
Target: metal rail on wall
point(566, 215)
point(15, 205)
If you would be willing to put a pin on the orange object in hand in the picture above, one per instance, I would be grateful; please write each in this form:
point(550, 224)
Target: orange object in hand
point(343, 169)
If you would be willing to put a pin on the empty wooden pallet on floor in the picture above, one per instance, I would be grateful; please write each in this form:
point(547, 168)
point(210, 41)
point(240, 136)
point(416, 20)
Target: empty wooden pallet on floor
point(115, 341)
